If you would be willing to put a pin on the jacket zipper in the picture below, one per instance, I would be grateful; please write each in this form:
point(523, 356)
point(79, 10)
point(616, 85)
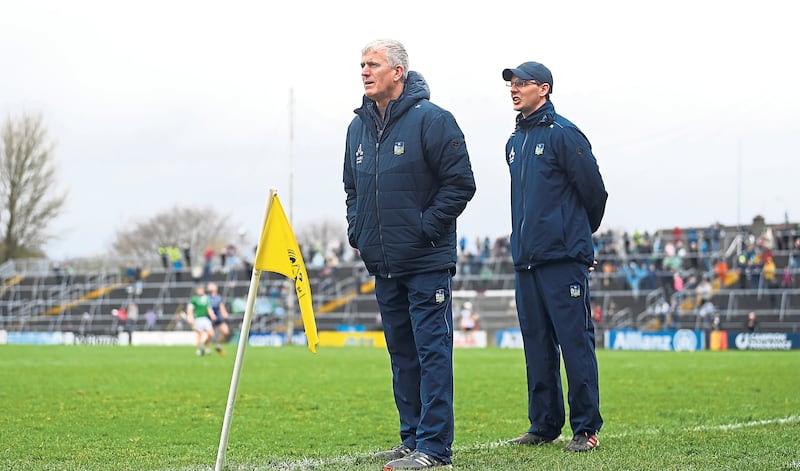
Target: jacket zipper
point(380, 129)
point(522, 181)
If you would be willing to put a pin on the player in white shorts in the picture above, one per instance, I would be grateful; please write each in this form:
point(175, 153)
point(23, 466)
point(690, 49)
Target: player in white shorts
point(200, 316)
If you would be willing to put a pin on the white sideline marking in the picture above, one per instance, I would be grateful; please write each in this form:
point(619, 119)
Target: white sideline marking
point(786, 420)
point(722, 428)
point(312, 463)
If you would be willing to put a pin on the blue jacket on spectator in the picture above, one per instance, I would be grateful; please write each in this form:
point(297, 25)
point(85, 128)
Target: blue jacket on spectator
point(557, 194)
point(407, 179)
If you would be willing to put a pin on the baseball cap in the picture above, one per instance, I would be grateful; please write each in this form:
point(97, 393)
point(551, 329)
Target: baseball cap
point(530, 71)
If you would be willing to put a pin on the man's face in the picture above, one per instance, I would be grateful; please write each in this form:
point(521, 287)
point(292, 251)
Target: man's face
point(527, 95)
point(380, 80)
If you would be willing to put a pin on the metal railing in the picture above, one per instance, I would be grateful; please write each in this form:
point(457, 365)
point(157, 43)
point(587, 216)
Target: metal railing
point(31, 299)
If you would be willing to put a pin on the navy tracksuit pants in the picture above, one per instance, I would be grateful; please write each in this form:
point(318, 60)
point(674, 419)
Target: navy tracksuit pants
point(417, 316)
point(553, 306)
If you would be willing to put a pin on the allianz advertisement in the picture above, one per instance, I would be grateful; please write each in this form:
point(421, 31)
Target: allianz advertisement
point(692, 340)
point(679, 340)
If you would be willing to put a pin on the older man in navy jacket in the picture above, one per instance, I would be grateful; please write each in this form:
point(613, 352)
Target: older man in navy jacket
point(407, 177)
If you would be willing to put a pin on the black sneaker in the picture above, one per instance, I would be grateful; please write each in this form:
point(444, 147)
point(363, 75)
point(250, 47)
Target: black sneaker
point(400, 451)
point(530, 439)
point(582, 442)
point(416, 460)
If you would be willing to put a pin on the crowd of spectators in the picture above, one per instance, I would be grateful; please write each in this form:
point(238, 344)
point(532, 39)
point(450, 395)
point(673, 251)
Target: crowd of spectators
point(679, 261)
point(687, 264)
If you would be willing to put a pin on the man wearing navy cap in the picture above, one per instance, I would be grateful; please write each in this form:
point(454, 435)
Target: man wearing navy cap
point(557, 201)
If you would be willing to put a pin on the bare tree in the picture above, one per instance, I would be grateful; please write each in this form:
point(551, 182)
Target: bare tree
point(179, 227)
point(321, 236)
point(29, 201)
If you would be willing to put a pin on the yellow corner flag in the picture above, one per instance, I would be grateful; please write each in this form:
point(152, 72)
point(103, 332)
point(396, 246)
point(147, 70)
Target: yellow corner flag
point(278, 252)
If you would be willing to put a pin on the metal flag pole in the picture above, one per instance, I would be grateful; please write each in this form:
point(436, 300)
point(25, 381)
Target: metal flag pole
point(291, 155)
point(237, 366)
point(290, 304)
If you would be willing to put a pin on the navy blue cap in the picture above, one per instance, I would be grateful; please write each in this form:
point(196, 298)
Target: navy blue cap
point(530, 71)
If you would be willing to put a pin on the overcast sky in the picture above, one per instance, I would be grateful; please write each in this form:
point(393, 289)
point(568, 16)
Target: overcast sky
point(692, 107)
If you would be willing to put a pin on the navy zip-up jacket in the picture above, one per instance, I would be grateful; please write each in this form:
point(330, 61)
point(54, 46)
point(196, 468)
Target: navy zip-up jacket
point(407, 179)
point(557, 193)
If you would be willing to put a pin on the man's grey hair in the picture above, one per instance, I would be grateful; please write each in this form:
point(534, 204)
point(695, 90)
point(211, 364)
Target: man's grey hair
point(395, 53)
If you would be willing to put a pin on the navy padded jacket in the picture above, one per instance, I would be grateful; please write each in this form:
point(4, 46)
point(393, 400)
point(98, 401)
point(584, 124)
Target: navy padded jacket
point(407, 179)
point(557, 193)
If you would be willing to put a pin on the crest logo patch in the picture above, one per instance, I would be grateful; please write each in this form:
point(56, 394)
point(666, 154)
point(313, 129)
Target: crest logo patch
point(359, 154)
point(439, 296)
point(399, 148)
point(575, 290)
point(539, 149)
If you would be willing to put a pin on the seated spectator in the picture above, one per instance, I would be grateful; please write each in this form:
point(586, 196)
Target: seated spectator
point(716, 323)
point(150, 319)
point(721, 269)
point(597, 314)
point(751, 324)
point(634, 275)
point(662, 310)
point(704, 291)
point(704, 315)
point(787, 282)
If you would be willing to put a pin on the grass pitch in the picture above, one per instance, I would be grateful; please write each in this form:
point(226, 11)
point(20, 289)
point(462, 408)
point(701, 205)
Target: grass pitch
point(161, 408)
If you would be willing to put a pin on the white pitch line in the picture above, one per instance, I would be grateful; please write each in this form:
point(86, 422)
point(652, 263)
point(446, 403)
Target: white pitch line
point(706, 428)
point(312, 463)
point(755, 423)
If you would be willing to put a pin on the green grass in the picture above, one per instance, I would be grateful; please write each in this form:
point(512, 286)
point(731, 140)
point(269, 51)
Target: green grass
point(161, 408)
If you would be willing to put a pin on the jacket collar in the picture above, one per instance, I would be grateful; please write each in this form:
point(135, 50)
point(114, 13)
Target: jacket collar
point(546, 114)
point(415, 89)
